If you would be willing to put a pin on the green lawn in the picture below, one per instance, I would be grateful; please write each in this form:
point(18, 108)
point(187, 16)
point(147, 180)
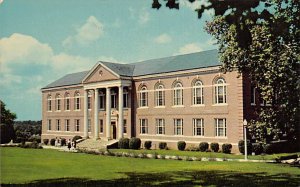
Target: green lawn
point(39, 166)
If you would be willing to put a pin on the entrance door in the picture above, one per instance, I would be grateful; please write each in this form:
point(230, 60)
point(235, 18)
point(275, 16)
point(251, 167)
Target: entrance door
point(113, 130)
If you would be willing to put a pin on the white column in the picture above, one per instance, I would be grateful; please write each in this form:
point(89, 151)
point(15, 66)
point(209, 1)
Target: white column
point(108, 108)
point(96, 114)
point(121, 120)
point(85, 115)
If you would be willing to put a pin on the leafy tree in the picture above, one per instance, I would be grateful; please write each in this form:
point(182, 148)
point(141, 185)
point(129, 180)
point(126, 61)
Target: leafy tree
point(261, 40)
point(6, 124)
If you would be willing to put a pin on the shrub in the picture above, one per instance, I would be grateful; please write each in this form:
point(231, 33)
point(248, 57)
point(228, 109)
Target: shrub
point(192, 148)
point(123, 143)
point(32, 145)
point(35, 138)
point(203, 146)
point(242, 145)
point(162, 145)
point(267, 148)
point(52, 142)
point(46, 141)
point(147, 144)
point(226, 148)
point(134, 143)
point(75, 138)
point(214, 147)
point(63, 142)
point(257, 148)
point(181, 145)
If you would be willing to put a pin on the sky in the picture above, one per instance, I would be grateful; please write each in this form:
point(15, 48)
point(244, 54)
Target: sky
point(41, 41)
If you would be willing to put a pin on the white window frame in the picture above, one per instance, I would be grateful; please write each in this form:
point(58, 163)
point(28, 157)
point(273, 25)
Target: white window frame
point(49, 127)
point(113, 99)
point(77, 125)
point(77, 101)
point(57, 103)
point(198, 93)
point(67, 125)
point(125, 126)
point(218, 127)
point(67, 102)
point(198, 126)
point(160, 126)
point(178, 127)
point(160, 96)
point(101, 100)
point(220, 83)
point(143, 126)
point(89, 101)
point(49, 104)
point(58, 125)
point(143, 97)
point(178, 94)
point(125, 98)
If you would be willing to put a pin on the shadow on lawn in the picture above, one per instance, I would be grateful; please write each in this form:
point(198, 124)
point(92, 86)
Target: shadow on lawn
point(181, 178)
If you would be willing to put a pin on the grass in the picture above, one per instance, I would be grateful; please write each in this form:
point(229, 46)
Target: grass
point(38, 167)
point(201, 154)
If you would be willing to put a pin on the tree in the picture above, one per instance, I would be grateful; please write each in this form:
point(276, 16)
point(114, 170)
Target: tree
point(6, 124)
point(261, 39)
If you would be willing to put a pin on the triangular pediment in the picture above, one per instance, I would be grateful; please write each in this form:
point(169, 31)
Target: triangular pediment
point(100, 73)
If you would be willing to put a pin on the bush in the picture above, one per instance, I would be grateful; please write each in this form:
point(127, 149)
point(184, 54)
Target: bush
point(52, 142)
point(35, 138)
point(162, 145)
point(242, 145)
point(226, 148)
point(147, 144)
point(134, 143)
point(203, 146)
point(75, 138)
point(46, 141)
point(267, 148)
point(63, 142)
point(257, 148)
point(181, 145)
point(32, 145)
point(123, 143)
point(214, 147)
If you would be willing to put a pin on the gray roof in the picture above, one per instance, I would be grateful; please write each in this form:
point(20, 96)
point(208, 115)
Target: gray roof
point(148, 67)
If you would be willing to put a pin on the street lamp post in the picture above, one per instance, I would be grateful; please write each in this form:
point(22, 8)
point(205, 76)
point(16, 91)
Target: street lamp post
point(245, 141)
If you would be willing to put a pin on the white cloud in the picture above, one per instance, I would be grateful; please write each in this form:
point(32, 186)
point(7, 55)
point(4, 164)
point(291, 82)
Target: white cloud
point(144, 16)
point(89, 32)
point(193, 6)
point(189, 48)
point(163, 38)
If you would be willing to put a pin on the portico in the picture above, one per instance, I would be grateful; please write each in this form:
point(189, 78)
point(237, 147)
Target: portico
point(110, 88)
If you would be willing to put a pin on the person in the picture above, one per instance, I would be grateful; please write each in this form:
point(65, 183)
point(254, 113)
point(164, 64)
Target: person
point(56, 142)
point(69, 144)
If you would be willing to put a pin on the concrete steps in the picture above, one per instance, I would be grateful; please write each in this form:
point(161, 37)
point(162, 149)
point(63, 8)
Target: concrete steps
point(91, 144)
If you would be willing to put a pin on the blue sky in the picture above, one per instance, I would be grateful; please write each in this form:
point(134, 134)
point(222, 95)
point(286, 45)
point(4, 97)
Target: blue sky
point(41, 41)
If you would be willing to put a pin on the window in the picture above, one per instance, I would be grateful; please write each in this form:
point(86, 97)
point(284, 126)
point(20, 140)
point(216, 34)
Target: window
point(178, 126)
point(77, 101)
point(125, 98)
point(77, 125)
point(220, 91)
point(89, 125)
point(160, 126)
point(198, 93)
point(89, 101)
point(67, 125)
point(49, 103)
point(253, 91)
point(58, 125)
point(101, 101)
point(143, 126)
point(67, 102)
point(124, 126)
point(178, 94)
point(220, 125)
point(101, 125)
point(143, 97)
point(49, 125)
point(113, 99)
point(57, 102)
point(198, 127)
point(160, 96)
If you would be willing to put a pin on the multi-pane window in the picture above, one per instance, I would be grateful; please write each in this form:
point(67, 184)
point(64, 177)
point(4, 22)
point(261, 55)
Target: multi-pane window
point(57, 102)
point(220, 125)
point(89, 125)
point(125, 98)
point(67, 102)
point(160, 96)
point(89, 100)
point(178, 94)
point(253, 91)
point(77, 101)
point(220, 91)
point(178, 126)
point(58, 125)
point(67, 125)
point(198, 127)
point(101, 125)
point(143, 126)
point(49, 103)
point(77, 125)
point(198, 93)
point(160, 126)
point(101, 100)
point(49, 125)
point(143, 97)
point(124, 126)
point(113, 100)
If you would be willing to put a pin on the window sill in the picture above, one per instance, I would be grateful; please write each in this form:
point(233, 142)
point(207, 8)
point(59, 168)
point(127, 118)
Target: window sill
point(144, 107)
point(199, 136)
point(199, 105)
point(77, 110)
point(222, 104)
point(67, 110)
point(177, 106)
point(221, 137)
point(57, 110)
point(160, 107)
